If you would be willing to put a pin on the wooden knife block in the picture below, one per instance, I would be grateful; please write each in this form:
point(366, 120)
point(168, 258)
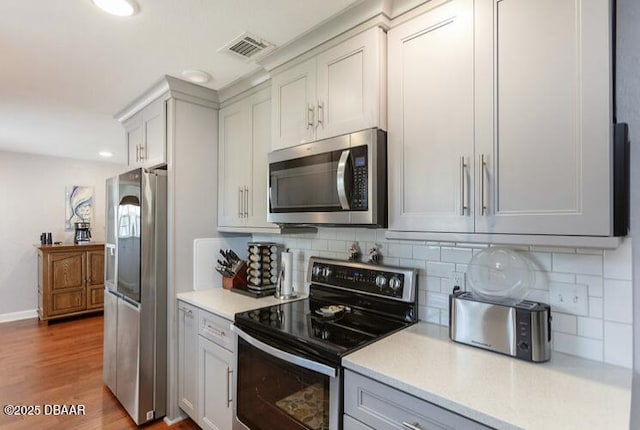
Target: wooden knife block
point(239, 280)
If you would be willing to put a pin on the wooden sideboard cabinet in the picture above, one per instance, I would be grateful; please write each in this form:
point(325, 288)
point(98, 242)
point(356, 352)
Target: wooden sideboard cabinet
point(70, 280)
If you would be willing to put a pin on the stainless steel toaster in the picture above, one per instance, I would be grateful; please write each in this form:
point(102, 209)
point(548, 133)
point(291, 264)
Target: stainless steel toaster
point(519, 328)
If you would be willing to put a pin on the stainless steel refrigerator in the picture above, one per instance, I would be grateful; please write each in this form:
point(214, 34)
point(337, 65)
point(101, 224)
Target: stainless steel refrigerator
point(135, 296)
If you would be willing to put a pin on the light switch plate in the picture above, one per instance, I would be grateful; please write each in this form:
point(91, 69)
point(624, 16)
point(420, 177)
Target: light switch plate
point(569, 298)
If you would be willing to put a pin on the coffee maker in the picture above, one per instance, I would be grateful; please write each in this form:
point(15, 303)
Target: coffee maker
point(83, 233)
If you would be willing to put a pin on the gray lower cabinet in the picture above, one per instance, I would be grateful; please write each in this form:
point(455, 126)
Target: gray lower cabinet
point(215, 372)
point(369, 404)
point(188, 359)
point(205, 367)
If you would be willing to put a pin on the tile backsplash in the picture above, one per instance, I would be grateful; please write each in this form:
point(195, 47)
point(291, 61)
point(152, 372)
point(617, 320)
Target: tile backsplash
point(598, 328)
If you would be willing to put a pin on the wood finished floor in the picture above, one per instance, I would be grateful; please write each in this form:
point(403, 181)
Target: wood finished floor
point(60, 363)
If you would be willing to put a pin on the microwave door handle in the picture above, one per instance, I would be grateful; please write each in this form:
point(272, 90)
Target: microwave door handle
point(340, 180)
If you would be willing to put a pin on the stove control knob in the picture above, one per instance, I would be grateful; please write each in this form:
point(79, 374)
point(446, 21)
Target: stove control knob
point(394, 283)
point(317, 270)
point(381, 281)
point(326, 272)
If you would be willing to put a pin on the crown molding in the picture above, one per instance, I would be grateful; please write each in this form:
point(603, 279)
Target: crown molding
point(170, 86)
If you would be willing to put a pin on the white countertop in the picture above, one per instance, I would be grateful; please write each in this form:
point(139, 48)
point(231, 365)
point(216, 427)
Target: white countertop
point(498, 391)
point(226, 304)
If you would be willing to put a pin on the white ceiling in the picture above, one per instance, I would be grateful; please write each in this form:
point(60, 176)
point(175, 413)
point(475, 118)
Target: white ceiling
point(67, 67)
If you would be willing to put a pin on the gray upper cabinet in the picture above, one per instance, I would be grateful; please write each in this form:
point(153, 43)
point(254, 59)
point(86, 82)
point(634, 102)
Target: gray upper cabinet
point(500, 118)
point(544, 115)
point(430, 139)
point(244, 142)
point(147, 135)
point(337, 91)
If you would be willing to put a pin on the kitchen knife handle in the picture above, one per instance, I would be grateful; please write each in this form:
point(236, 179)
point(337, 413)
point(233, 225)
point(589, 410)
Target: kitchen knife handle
point(463, 186)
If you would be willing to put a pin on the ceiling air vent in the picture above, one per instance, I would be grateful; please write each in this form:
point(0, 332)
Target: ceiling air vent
point(248, 46)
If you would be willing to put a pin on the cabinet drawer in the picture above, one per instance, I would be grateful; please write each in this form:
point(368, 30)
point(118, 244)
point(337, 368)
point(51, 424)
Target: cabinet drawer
point(383, 407)
point(349, 423)
point(216, 329)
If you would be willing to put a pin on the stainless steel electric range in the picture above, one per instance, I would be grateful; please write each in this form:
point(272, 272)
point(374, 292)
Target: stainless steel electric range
point(288, 371)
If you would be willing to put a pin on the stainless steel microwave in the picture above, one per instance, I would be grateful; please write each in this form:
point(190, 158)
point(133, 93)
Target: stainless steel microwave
point(336, 181)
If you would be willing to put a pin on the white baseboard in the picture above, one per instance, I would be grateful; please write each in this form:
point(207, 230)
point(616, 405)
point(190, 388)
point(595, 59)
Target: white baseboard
point(175, 420)
point(15, 316)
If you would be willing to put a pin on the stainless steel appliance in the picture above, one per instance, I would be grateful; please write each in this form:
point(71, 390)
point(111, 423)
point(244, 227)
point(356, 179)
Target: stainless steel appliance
point(135, 322)
point(83, 233)
point(288, 372)
point(336, 181)
point(519, 328)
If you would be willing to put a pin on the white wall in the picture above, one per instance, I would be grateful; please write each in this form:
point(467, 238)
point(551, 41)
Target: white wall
point(601, 330)
point(32, 201)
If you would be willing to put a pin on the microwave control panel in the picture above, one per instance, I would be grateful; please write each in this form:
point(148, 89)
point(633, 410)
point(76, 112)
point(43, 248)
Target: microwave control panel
point(360, 194)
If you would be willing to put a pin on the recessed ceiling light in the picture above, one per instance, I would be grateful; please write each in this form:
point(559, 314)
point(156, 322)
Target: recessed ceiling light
point(197, 76)
point(117, 7)
point(105, 154)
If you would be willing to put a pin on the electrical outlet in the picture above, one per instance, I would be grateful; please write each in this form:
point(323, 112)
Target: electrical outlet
point(569, 298)
point(456, 279)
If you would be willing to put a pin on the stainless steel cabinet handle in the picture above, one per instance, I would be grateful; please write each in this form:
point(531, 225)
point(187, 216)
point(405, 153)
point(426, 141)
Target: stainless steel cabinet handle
point(229, 394)
point(137, 153)
point(463, 186)
point(310, 112)
point(246, 201)
point(240, 200)
point(185, 310)
point(483, 203)
point(143, 148)
point(215, 331)
point(320, 114)
point(412, 426)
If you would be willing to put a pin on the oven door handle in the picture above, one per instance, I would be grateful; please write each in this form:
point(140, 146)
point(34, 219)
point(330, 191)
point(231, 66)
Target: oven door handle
point(340, 179)
point(285, 356)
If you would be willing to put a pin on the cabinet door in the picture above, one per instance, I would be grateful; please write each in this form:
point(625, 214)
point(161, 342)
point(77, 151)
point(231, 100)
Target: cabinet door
point(215, 396)
point(293, 94)
point(135, 138)
point(234, 168)
point(543, 78)
point(350, 85)
point(154, 122)
point(95, 279)
point(188, 359)
point(66, 270)
point(430, 138)
point(260, 111)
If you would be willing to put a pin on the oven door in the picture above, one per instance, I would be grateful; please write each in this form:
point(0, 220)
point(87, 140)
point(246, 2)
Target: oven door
point(276, 389)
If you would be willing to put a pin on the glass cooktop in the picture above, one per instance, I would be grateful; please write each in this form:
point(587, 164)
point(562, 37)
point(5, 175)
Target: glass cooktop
point(302, 323)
